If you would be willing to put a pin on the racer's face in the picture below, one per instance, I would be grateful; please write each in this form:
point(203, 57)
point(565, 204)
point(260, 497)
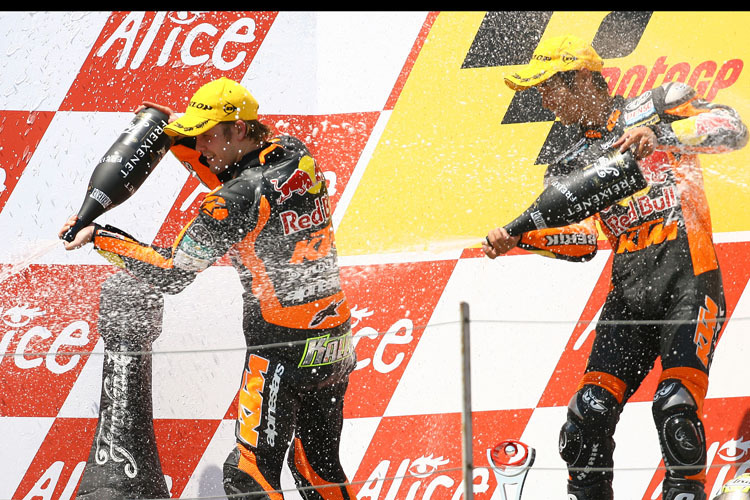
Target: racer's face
point(561, 100)
point(221, 145)
point(576, 101)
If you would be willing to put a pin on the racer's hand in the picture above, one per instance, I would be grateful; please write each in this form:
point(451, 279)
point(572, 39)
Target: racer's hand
point(499, 242)
point(85, 235)
point(172, 116)
point(164, 109)
point(643, 138)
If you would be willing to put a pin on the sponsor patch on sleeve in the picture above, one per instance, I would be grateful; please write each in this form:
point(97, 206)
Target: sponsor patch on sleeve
point(192, 256)
point(215, 207)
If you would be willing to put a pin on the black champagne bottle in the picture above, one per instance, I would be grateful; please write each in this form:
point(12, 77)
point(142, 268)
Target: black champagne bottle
point(124, 167)
point(584, 192)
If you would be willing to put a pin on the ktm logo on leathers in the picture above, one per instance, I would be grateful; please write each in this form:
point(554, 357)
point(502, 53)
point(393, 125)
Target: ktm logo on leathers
point(650, 233)
point(251, 399)
point(705, 329)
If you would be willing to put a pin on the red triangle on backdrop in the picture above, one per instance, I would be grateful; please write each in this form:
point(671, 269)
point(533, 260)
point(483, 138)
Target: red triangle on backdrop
point(56, 468)
point(20, 134)
point(164, 57)
point(48, 315)
point(181, 444)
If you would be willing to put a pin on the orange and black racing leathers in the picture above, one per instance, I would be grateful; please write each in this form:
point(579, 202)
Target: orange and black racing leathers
point(666, 296)
point(270, 213)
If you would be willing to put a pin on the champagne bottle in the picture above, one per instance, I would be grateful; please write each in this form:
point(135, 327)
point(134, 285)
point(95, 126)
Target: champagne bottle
point(582, 193)
point(124, 167)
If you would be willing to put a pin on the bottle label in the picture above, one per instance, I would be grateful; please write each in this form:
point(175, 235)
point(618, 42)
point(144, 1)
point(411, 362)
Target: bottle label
point(538, 219)
point(100, 197)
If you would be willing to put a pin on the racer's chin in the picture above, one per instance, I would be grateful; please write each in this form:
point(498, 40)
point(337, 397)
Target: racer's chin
point(566, 120)
point(215, 165)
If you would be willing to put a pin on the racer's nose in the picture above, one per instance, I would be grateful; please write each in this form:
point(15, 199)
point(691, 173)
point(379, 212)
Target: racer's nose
point(201, 143)
point(547, 98)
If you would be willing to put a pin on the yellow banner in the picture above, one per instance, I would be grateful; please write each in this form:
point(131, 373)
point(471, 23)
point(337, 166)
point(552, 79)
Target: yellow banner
point(446, 168)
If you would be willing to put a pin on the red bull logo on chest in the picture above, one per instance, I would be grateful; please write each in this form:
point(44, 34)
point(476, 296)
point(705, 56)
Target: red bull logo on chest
point(303, 180)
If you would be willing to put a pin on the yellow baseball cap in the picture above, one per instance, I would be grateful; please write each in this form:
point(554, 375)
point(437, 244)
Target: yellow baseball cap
point(553, 55)
point(217, 101)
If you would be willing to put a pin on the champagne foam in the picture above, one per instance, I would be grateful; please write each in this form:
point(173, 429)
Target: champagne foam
point(33, 252)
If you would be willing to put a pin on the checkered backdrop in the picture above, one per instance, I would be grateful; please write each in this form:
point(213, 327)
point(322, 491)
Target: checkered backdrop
point(424, 151)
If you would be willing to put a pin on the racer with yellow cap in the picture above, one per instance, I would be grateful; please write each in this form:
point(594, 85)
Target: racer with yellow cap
point(268, 210)
point(737, 488)
point(666, 296)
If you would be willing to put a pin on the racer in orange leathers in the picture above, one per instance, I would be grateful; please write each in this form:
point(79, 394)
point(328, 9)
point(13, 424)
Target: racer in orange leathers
point(269, 212)
point(666, 296)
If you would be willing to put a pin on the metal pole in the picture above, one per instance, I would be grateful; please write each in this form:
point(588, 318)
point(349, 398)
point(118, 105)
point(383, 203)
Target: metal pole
point(468, 452)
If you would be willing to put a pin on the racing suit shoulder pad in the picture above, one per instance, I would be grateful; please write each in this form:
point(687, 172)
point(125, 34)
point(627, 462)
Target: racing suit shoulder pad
point(290, 143)
point(676, 93)
point(285, 159)
point(243, 189)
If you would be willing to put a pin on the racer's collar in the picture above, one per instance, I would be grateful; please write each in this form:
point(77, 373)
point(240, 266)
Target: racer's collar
point(614, 115)
point(250, 160)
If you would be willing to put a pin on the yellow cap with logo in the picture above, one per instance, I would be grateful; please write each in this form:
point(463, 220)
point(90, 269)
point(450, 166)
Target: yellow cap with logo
point(553, 55)
point(217, 101)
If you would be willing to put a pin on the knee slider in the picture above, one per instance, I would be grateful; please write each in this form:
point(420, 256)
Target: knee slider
point(586, 437)
point(571, 441)
point(680, 429)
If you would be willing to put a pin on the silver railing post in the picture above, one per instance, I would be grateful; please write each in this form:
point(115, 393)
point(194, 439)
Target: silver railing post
point(468, 453)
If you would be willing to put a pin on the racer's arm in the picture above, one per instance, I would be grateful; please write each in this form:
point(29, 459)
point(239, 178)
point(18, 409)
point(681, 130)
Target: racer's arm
point(221, 222)
point(575, 242)
point(135, 258)
point(693, 125)
point(150, 263)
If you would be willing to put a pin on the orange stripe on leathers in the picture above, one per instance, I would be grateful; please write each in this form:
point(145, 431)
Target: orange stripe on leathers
point(190, 158)
point(273, 312)
point(612, 384)
point(686, 109)
point(134, 250)
point(248, 464)
point(695, 381)
point(538, 238)
point(329, 491)
point(696, 213)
